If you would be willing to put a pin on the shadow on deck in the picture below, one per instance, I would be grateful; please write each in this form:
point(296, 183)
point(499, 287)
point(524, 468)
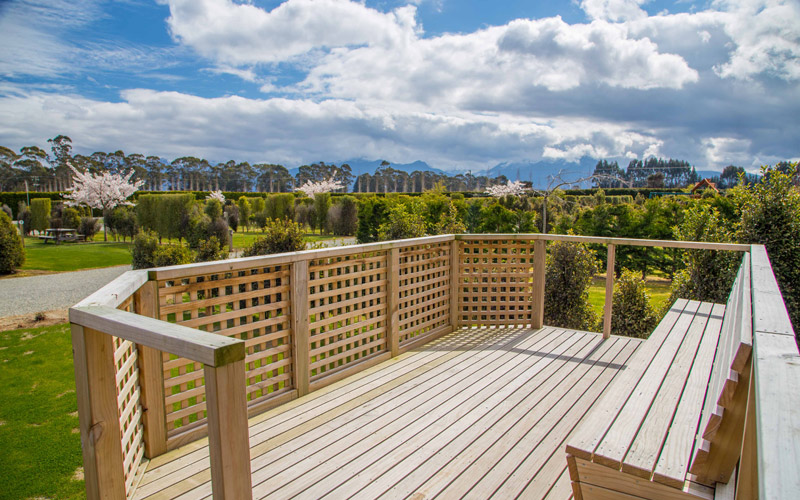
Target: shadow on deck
point(479, 412)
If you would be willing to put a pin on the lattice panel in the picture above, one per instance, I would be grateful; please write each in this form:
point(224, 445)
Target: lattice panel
point(347, 310)
point(495, 282)
point(129, 406)
point(423, 290)
point(251, 305)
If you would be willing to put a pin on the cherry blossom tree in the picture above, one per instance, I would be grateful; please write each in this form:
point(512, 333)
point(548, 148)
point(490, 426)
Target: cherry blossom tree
point(102, 191)
point(313, 188)
point(515, 188)
point(216, 195)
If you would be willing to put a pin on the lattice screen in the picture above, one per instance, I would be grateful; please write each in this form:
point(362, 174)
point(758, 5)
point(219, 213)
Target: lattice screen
point(424, 290)
point(496, 282)
point(251, 305)
point(126, 366)
point(347, 310)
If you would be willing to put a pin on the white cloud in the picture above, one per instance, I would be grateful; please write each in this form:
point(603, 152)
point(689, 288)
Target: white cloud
point(614, 10)
point(234, 34)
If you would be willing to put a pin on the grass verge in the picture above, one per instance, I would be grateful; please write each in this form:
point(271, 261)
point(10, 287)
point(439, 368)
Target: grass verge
point(42, 256)
point(39, 439)
point(657, 288)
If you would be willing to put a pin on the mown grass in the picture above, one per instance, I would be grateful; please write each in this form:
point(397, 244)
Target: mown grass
point(243, 239)
point(657, 289)
point(42, 256)
point(40, 449)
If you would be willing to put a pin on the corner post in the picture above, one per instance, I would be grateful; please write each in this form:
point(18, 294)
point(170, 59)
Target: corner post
point(393, 301)
point(300, 334)
point(98, 413)
point(455, 279)
point(228, 436)
point(611, 256)
point(539, 262)
point(151, 379)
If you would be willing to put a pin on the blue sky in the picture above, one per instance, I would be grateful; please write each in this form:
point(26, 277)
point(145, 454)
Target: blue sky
point(460, 84)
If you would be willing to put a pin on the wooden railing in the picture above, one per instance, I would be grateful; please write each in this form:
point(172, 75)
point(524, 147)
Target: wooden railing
point(301, 321)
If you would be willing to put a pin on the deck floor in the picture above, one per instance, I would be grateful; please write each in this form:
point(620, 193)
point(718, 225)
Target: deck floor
point(477, 413)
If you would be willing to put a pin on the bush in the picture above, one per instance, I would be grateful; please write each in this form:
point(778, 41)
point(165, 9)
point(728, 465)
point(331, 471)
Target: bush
point(5, 208)
point(280, 236)
point(211, 249)
point(771, 216)
point(372, 213)
point(144, 248)
point(261, 220)
point(404, 222)
point(322, 203)
point(122, 222)
point(709, 274)
point(568, 275)
point(232, 216)
point(88, 227)
point(40, 213)
point(24, 214)
point(343, 217)
point(213, 208)
point(172, 255)
point(12, 254)
point(632, 315)
point(70, 218)
point(244, 212)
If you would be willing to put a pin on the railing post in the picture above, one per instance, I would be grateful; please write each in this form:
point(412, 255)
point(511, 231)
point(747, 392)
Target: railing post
point(539, 261)
point(747, 475)
point(300, 334)
point(95, 387)
point(392, 301)
point(611, 256)
point(455, 279)
point(151, 378)
point(228, 436)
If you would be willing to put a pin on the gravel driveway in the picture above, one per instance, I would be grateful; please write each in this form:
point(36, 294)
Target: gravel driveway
point(52, 291)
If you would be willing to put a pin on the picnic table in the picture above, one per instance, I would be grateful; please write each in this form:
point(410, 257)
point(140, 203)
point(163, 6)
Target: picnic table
point(61, 234)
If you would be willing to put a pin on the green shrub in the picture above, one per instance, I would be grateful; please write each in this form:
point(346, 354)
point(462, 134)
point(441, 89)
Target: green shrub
point(244, 212)
point(631, 315)
point(12, 254)
point(709, 274)
point(24, 214)
point(144, 248)
point(404, 222)
point(373, 211)
point(122, 221)
point(260, 220)
point(279, 236)
point(343, 216)
point(232, 216)
point(771, 216)
point(568, 276)
point(322, 203)
point(88, 227)
point(172, 255)
point(213, 208)
point(40, 213)
point(211, 249)
point(70, 218)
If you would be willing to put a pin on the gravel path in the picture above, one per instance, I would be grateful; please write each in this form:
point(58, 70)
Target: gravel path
point(52, 291)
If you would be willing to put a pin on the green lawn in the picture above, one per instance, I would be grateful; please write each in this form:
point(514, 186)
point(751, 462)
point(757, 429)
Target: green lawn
point(658, 289)
point(242, 239)
point(40, 449)
point(74, 256)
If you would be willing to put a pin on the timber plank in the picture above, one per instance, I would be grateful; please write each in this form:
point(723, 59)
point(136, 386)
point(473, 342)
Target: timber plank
point(615, 444)
point(594, 427)
point(415, 454)
point(646, 448)
point(673, 464)
point(428, 404)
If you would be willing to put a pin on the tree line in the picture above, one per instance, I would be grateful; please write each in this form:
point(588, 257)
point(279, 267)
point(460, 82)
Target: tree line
point(38, 170)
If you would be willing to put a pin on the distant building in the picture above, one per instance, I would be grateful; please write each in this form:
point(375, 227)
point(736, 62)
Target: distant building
point(703, 185)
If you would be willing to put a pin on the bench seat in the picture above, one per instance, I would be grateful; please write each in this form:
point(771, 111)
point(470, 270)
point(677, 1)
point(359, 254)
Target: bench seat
point(638, 442)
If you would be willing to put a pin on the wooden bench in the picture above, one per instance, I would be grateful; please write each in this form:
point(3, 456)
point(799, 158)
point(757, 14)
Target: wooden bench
point(671, 425)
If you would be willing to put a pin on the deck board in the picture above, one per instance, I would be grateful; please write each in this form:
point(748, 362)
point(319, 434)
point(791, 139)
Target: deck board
point(480, 411)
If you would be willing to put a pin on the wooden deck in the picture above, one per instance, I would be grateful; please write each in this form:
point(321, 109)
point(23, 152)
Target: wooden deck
point(478, 413)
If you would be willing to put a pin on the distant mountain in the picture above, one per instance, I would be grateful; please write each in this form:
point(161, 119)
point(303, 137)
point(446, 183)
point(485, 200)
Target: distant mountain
point(538, 172)
point(363, 166)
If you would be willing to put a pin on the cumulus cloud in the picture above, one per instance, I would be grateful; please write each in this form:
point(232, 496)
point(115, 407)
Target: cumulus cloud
point(614, 10)
point(245, 34)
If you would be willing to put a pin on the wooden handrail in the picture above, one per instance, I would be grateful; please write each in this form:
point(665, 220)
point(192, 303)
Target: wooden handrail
point(776, 364)
point(196, 345)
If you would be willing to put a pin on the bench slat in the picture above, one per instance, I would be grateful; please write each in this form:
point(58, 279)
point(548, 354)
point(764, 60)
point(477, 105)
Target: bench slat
point(593, 428)
point(615, 444)
point(672, 465)
point(646, 447)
